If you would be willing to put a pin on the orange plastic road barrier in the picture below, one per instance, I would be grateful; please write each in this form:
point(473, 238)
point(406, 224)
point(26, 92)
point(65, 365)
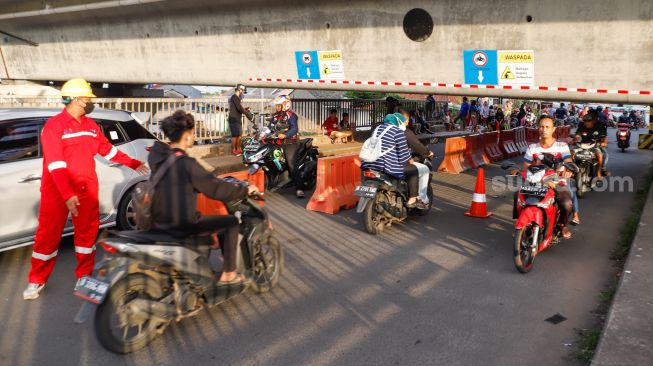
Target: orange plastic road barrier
point(209, 207)
point(479, 202)
point(454, 156)
point(475, 152)
point(507, 144)
point(491, 143)
point(520, 139)
point(337, 178)
point(532, 135)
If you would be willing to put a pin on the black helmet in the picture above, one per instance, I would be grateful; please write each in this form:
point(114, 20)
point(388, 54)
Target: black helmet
point(242, 88)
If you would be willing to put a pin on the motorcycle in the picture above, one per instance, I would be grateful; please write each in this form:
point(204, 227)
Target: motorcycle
point(266, 151)
point(150, 278)
point(383, 199)
point(536, 212)
point(623, 136)
point(588, 163)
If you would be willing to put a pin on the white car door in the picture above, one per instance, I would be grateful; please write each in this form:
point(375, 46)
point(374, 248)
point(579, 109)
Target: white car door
point(113, 177)
point(20, 181)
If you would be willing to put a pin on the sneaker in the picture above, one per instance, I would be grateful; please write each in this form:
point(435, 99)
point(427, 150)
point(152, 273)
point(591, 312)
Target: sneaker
point(33, 290)
point(300, 193)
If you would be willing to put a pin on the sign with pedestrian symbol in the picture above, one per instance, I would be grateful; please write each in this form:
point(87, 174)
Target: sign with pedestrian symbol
point(516, 67)
point(331, 64)
point(320, 65)
point(507, 74)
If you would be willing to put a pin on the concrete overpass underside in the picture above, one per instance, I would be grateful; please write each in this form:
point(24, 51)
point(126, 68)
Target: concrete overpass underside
point(600, 45)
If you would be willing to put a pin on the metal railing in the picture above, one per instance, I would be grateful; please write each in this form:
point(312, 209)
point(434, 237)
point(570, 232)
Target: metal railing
point(211, 114)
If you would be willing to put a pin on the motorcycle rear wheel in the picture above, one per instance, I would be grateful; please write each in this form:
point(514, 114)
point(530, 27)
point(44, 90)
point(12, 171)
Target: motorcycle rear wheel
point(522, 256)
point(373, 224)
point(112, 309)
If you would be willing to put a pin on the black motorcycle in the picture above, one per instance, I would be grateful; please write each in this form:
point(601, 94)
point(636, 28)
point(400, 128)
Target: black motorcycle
point(588, 165)
point(383, 199)
point(266, 151)
point(150, 279)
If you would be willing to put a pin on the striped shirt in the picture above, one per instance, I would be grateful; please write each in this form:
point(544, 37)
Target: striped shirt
point(559, 150)
point(394, 161)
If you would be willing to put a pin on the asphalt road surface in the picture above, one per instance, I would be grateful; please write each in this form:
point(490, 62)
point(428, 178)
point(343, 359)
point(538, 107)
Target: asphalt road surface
point(437, 290)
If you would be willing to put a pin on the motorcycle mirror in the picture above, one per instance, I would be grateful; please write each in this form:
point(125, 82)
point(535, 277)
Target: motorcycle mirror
point(507, 165)
point(572, 167)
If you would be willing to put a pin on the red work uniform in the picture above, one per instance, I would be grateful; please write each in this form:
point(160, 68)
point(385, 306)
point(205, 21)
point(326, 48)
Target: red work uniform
point(69, 149)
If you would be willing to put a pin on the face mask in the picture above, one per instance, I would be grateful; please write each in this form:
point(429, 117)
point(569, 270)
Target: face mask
point(90, 106)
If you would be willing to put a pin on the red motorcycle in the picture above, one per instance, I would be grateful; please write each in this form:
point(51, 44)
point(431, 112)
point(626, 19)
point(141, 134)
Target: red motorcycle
point(623, 136)
point(537, 214)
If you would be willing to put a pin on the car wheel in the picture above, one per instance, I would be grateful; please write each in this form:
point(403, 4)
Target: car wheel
point(126, 217)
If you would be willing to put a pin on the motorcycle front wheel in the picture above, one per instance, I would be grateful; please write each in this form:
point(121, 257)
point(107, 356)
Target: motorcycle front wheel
point(523, 256)
point(113, 328)
point(268, 264)
point(580, 183)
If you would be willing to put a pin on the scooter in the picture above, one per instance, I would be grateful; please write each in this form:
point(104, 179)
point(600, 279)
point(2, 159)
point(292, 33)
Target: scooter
point(536, 212)
point(266, 151)
point(150, 279)
point(623, 136)
point(383, 199)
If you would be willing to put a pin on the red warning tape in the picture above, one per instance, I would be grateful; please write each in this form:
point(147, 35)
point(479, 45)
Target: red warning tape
point(469, 86)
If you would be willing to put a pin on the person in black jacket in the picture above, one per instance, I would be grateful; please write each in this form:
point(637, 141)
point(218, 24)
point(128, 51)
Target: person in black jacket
point(236, 111)
point(174, 204)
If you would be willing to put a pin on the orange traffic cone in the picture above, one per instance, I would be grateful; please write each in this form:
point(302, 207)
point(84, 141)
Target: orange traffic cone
point(479, 203)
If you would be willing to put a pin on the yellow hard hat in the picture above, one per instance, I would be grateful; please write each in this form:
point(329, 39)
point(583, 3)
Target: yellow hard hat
point(77, 88)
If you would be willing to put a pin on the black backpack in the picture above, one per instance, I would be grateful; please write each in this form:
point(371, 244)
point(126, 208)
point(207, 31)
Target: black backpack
point(143, 193)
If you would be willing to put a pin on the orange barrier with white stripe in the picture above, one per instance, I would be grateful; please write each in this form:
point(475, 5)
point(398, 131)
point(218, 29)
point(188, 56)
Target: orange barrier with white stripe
point(492, 150)
point(337, 178)
point(507, 144)
point(521, 140)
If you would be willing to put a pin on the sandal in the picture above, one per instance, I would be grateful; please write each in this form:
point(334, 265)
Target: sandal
point(575, 222)
point(566, 233)
point(238, 280)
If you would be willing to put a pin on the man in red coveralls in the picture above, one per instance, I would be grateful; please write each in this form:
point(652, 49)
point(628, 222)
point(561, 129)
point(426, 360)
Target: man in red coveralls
point(70, 142)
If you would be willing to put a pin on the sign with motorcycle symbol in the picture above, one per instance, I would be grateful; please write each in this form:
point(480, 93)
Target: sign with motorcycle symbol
point(320, 65)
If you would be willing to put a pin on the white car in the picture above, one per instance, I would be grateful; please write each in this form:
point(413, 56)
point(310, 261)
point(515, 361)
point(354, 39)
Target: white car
point(21, 165)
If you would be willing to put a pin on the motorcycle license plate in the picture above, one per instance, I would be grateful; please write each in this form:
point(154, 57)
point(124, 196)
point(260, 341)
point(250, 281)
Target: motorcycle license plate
point(538, 191)
point(91, 289)
point(365, 191)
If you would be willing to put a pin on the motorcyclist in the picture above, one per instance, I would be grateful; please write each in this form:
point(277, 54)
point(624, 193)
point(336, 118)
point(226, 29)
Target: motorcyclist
point(624, 118)
point(565, 190)
point(561, 113)
point(174, 204)
point(593, 131)
point(419, 152)
point(285, 125)
point(396, 161)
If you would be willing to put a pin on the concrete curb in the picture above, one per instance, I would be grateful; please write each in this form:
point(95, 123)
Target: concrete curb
point(627, 338)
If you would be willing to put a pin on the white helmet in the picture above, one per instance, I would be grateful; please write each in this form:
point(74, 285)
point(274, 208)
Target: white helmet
point(284, 100)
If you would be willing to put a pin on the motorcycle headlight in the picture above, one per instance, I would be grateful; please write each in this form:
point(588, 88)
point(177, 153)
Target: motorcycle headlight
point(623, 133)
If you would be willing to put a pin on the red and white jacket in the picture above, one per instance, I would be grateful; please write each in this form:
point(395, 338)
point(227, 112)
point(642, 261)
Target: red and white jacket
point(69, 149)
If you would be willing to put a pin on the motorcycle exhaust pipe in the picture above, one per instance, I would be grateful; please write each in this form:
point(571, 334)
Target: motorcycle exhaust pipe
point(140, 310)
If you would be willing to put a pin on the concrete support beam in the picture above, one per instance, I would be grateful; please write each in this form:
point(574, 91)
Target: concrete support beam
point(590, 44)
